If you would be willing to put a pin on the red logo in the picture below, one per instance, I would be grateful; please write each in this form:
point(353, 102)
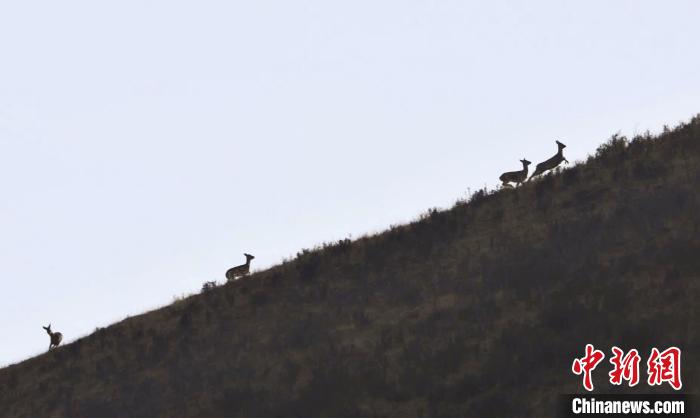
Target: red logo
point(662, 367)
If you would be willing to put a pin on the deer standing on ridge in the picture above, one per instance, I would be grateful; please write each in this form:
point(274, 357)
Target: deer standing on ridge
point(241, 270)
point(516, 177)
point(56, 337)
point(552, 162)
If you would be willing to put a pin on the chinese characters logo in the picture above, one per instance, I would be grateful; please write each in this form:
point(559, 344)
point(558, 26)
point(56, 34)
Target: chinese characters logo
point(662, 367)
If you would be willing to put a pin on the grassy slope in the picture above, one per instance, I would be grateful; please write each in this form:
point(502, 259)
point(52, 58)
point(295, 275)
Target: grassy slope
point(474, 311)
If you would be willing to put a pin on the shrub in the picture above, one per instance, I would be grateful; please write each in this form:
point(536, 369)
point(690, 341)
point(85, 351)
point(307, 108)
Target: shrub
point(208, 286)
point(613, 150)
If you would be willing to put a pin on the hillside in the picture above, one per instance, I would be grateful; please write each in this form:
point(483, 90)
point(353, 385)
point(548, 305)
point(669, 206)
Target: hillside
point(474, 311)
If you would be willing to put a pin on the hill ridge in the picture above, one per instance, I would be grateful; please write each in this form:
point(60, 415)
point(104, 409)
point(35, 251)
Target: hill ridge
point(476, 310)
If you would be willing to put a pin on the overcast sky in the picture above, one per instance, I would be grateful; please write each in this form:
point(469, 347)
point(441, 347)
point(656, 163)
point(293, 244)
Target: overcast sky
point(145, 145)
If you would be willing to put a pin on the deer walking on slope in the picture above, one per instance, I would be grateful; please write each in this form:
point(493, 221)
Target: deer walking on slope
point(552, 162)
point(516, 177)
point(241, 270)
point(56, 337)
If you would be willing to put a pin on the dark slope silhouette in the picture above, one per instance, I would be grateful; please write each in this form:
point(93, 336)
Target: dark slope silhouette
point(474, 311)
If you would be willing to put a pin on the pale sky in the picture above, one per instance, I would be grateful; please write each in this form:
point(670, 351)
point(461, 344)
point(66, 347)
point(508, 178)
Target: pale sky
point(145, 145)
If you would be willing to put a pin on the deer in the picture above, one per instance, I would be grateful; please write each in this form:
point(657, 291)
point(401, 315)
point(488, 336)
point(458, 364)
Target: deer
point(516, 177)
point(56, 337)
point(552, 162)
point(242, 270)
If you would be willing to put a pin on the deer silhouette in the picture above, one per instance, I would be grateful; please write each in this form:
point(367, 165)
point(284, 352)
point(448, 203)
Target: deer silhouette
point(241, 270)
point(516, 177)
point(56, 337)
point(552, 162)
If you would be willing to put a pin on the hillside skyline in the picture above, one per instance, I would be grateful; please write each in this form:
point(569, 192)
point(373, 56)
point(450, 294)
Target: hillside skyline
point(314, 247)
point(222, 280)
point(476, 310)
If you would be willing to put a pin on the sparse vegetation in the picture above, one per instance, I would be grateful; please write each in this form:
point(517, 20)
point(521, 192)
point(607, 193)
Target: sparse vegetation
point(473, 311)
point(209, 286)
